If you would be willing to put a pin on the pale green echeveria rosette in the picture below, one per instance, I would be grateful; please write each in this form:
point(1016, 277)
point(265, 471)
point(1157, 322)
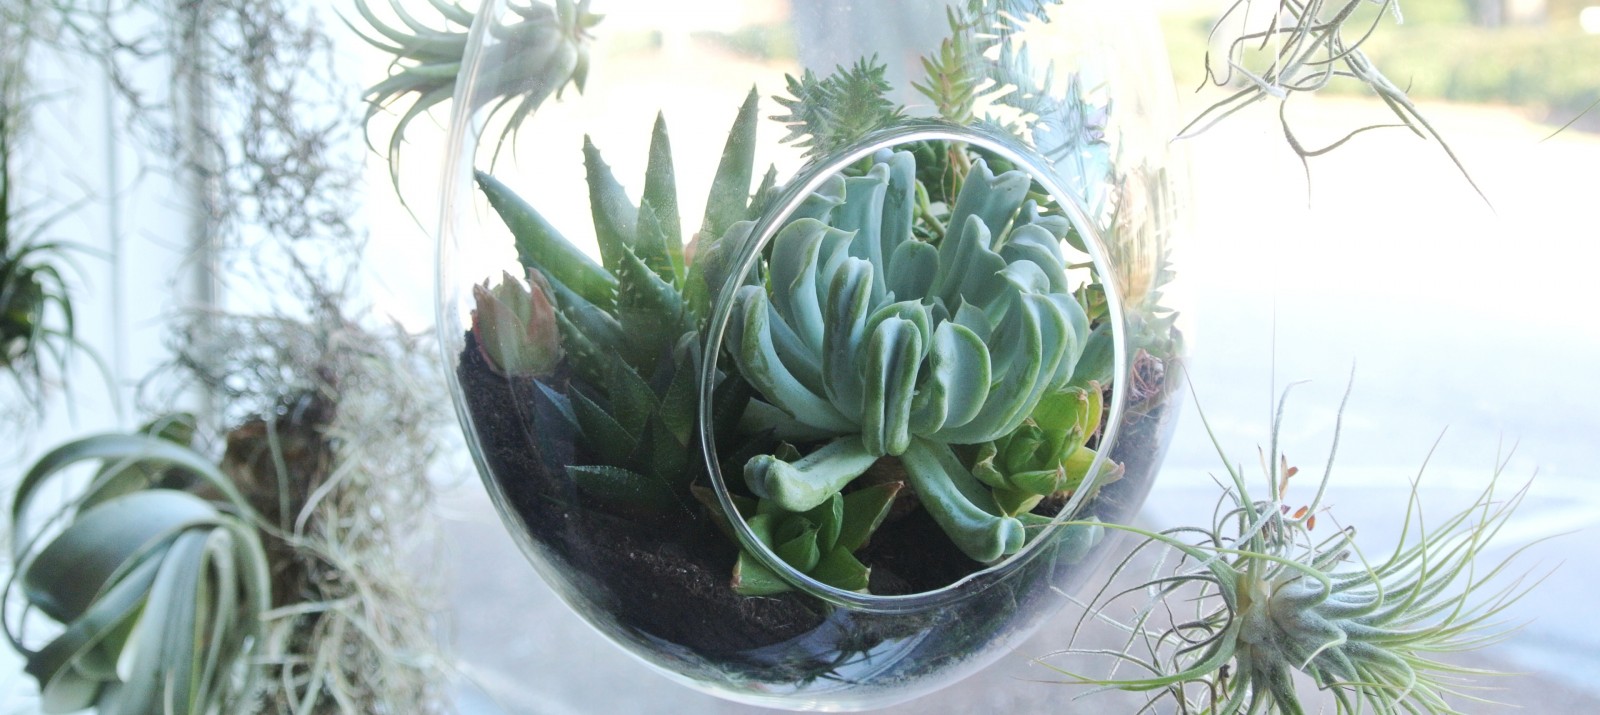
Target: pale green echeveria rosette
point(889, 345)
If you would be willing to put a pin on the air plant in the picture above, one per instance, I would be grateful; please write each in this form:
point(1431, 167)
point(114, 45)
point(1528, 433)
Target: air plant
point(887, 345)
point(1272, 600)
point(535, 56)
point(155, 572)
point(37, 328)
point(1304, 49)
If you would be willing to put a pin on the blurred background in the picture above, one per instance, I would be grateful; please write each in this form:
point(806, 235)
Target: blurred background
point(1463, 320)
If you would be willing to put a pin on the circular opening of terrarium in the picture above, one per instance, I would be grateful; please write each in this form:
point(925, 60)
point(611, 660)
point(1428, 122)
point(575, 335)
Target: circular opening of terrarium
point(910, 370)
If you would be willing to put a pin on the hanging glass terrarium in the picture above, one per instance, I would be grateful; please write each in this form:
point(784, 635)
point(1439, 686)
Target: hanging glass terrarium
point(787, 346)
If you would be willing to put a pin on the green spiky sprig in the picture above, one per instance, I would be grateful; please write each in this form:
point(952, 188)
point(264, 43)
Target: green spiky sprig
point(1270, 600)
point(826, 114)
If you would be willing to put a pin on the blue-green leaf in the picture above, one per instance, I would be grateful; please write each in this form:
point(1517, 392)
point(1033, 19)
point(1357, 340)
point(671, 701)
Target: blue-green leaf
point(813, 479)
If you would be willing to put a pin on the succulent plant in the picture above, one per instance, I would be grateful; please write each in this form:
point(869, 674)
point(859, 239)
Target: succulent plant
point(516, 326)
point(161, 593)
point(820, 543)
point(1049, 453)
point(628, 325)
point(892, 346)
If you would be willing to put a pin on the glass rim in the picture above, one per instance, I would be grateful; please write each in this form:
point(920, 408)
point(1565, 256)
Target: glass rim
point(805, 182)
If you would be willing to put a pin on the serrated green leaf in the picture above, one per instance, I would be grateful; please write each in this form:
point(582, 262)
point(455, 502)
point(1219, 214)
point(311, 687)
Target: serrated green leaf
point(600, 430)
point(615, 217)
point(829, 519)
point(651, 243)
point(730, 189)
point(680, 403)
point(632, 401)
point(795, 541)
point(541, 247)
point(621, 485)
point(661, 194)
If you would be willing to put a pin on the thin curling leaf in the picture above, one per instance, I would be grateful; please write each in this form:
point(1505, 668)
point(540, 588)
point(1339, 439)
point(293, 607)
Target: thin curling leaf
point(1268, 601)
point(813, 479)
point(959, 504)
point(893, 352)
point(540, 247)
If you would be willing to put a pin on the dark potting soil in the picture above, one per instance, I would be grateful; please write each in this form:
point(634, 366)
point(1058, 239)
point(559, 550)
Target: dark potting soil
point(669, 579)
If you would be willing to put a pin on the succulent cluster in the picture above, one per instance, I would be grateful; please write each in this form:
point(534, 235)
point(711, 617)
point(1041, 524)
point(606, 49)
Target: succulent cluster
point(889, 345)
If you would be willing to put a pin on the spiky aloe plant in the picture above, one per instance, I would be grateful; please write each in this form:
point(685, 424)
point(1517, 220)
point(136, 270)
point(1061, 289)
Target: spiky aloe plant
point(1271, 600)
point(888, 345)
point(628, 324)
point(160, 592)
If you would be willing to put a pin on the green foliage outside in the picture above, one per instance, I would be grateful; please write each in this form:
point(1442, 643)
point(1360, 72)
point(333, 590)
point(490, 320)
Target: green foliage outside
point(1439, 54)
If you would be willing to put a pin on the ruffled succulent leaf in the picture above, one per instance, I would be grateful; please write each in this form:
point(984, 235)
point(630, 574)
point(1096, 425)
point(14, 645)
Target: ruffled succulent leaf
point(541, 247)
point(962, 507)
point(893, 353)
point(844, 332)
point(1098, 361)
point(812, 480)
point(958, 380)
point(759, 364)
point(730, 188)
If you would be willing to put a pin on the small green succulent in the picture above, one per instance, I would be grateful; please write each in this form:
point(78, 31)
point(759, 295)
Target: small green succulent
point(1049, 453)
point(889, 345)
point(820, 543)
point(516, 326)
point(160, 593)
